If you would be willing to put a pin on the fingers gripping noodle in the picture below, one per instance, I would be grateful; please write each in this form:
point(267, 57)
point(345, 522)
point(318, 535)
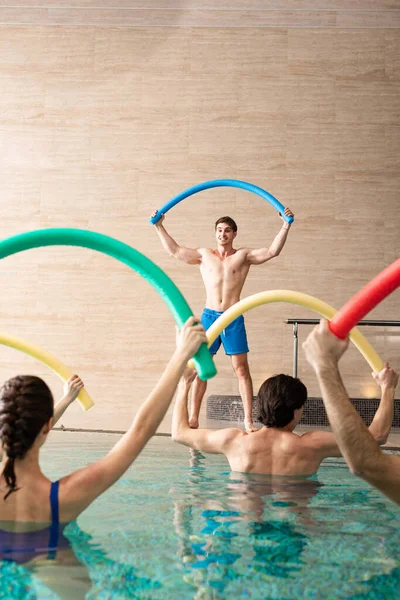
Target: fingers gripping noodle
point(125, 254)
point(318, 306)
point(365, 300)
point(47, 359)
point(236, 183)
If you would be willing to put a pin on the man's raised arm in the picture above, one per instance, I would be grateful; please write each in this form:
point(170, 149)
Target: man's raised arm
point(190, 256)
point(358, 446)
point(387, 380)
point(325, 442)
point(261, 255)
point(205, 440)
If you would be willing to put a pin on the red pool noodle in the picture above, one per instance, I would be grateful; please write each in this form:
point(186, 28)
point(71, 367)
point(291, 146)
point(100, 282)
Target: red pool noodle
point(365, 300)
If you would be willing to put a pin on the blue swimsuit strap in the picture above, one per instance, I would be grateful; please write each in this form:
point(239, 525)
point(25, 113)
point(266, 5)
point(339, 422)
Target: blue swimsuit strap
point(54, 528)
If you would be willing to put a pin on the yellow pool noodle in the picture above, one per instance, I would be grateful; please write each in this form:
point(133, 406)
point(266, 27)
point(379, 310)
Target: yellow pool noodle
point(47, 359)
point(305, 300)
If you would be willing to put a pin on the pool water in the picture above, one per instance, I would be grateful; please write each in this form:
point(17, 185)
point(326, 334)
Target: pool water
point(179, 525)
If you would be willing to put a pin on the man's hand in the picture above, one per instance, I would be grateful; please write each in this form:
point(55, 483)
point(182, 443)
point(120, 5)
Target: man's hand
point(72, 387)
point(159, 222)
point(288, 213)
point(323, 348)
point(386, 378)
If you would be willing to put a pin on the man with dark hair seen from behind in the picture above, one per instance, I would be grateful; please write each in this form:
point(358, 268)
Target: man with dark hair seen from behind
point(224, 271)
point(276, 449)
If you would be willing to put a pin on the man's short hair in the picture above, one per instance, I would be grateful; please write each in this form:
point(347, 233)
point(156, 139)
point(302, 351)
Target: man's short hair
point(278, 398)
point(228, 221)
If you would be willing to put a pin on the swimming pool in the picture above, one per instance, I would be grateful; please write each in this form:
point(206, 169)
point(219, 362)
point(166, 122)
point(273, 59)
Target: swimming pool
point(181, 526)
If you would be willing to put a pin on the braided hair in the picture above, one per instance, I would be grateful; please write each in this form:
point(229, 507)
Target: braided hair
point(26, 405)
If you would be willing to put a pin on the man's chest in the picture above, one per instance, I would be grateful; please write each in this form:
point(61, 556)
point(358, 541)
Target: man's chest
point(230, 266)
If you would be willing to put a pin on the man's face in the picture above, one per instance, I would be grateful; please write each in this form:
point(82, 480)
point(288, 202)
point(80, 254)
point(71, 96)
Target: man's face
point(224, 234)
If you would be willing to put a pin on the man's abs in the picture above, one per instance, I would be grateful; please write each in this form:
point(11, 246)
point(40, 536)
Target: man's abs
point(223, 279)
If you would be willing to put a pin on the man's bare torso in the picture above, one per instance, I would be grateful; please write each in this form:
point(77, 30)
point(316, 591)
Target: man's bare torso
point(223, 277)
point(273, 451)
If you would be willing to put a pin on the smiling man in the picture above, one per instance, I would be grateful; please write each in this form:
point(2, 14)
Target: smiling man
point(224, 271)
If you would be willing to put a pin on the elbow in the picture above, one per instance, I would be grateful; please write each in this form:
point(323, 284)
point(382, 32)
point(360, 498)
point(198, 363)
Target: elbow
point(178, 254)
point(366, 468)
point(367, 472)
point(382, 439)
point(175, 435)
point(356, 470)
point(178, 435)
point(177, 438)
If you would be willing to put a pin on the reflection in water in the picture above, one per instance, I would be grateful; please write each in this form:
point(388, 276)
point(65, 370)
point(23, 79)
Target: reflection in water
point(110, 578)
point(205, 551)
point(284, 537)
point(220, 535)
point(380, 586)
point(42, 551)
point(209, 549)
point(67, 573)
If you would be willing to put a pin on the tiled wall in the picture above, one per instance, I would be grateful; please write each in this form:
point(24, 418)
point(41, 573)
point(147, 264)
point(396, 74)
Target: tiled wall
point(230, 408)
point(100, 124)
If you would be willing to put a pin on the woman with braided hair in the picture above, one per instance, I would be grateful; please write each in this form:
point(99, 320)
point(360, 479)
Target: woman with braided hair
point(28, 500)
point(72, 387)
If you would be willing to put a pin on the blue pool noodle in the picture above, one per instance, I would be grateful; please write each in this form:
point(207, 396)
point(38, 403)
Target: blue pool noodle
point(236, 183)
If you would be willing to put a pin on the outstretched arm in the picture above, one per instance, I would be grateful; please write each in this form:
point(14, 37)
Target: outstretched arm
point(387, 380)
point(190, 256)
point(262, 255)
point(325, 442)
point(205, 440)
point(357, 444)
point(71, 391)
point(80, 488)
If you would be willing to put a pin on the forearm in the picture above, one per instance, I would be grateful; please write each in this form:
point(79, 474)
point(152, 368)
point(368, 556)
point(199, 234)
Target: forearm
point(152, 412)
point(383, 419)
point(180, 417)
point(356, 443)
point(279, 240)
point(168, 243)
point(60, 408)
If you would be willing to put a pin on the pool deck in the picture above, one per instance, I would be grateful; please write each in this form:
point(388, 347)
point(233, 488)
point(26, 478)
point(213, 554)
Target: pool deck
point(393, 442)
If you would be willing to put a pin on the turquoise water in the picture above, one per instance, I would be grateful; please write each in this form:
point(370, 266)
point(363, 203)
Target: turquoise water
point(181, 526)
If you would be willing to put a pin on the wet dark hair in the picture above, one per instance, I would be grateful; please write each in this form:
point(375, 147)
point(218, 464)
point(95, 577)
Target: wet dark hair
point(26, 404)
point(228, 221)
point(278, 398)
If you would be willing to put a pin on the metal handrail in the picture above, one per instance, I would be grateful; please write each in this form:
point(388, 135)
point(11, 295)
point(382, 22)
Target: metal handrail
point(297, 322)
point(372, 322)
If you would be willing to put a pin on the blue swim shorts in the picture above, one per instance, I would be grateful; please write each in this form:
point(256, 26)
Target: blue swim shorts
point(233, 337)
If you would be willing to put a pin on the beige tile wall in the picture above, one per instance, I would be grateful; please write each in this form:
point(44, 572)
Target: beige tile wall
point(202, 13)
point(99, 125)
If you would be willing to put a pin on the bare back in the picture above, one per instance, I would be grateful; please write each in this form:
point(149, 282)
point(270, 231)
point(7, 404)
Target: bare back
point(276, 452)
point(223, 277)
point(30, 503)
